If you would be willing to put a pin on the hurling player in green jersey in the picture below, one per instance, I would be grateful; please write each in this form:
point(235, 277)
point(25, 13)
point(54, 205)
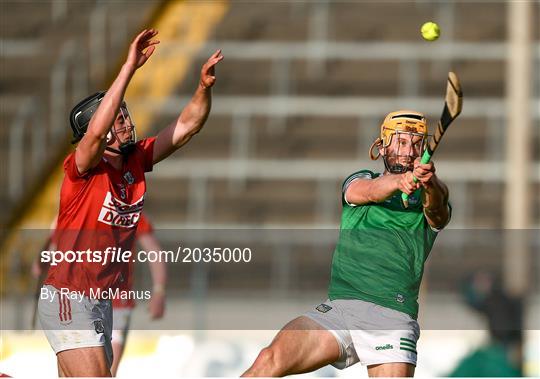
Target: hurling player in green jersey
point(370, 315)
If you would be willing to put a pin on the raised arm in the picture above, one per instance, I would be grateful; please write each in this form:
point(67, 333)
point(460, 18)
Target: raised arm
point(92, 145)
point(193, 116)
point(364, 191)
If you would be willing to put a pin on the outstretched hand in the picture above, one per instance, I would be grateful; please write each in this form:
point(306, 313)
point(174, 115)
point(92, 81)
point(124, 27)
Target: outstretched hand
point(141, 48)
point(208, 71)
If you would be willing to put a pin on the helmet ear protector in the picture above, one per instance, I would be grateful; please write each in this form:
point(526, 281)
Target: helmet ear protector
point(81, 114)
point(400, 122)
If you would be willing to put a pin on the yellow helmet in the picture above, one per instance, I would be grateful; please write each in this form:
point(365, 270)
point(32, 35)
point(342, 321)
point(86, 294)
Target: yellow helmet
point(404, 121)
point(399, 121)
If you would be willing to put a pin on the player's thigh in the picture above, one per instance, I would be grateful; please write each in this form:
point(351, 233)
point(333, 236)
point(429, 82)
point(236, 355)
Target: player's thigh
point(86, 361)
point(397, 369)
point(304, 345)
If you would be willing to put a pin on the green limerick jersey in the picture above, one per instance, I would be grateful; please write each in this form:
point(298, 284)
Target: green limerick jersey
point(381, 251)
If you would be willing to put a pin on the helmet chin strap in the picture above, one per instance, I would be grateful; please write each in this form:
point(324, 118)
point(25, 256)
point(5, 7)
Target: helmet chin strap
point(113, 150)
point(124, 149)
point(127, 147)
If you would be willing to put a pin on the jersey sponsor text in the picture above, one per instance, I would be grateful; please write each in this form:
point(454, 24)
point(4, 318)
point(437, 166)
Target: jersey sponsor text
point(117, 213)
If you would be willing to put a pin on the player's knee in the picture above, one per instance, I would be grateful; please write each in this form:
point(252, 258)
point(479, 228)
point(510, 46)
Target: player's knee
point(270, 360)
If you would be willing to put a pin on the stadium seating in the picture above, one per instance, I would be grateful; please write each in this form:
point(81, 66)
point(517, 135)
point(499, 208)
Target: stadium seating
point(285, 130)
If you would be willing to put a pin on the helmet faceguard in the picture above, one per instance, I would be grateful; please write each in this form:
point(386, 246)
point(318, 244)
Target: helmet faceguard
point(125, 144)
point(82, 113)
point(402, 140)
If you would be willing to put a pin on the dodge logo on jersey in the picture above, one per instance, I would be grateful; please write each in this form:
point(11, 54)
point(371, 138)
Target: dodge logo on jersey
point(117, 213)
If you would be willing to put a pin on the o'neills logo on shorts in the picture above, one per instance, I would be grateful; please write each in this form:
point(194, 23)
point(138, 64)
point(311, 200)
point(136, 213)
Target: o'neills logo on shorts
point(117, 213)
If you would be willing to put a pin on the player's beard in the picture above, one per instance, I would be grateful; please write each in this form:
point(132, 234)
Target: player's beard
point(397, 163)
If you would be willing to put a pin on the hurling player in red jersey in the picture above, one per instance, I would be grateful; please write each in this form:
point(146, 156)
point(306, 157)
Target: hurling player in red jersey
point(101, 199)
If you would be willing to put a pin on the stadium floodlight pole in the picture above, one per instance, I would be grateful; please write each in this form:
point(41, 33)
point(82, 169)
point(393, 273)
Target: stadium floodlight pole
point(453, 102)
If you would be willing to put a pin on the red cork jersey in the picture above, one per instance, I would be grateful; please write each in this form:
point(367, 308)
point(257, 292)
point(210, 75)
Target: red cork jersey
point(99, 210)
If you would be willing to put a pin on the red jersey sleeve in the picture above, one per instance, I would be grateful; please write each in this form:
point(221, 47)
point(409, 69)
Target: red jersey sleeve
point(147, 147)
point(71, 170)
point(144, 226)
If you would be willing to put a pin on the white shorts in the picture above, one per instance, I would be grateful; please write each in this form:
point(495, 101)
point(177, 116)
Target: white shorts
point(121, 321)
point(73, 322)
point(368, 333)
